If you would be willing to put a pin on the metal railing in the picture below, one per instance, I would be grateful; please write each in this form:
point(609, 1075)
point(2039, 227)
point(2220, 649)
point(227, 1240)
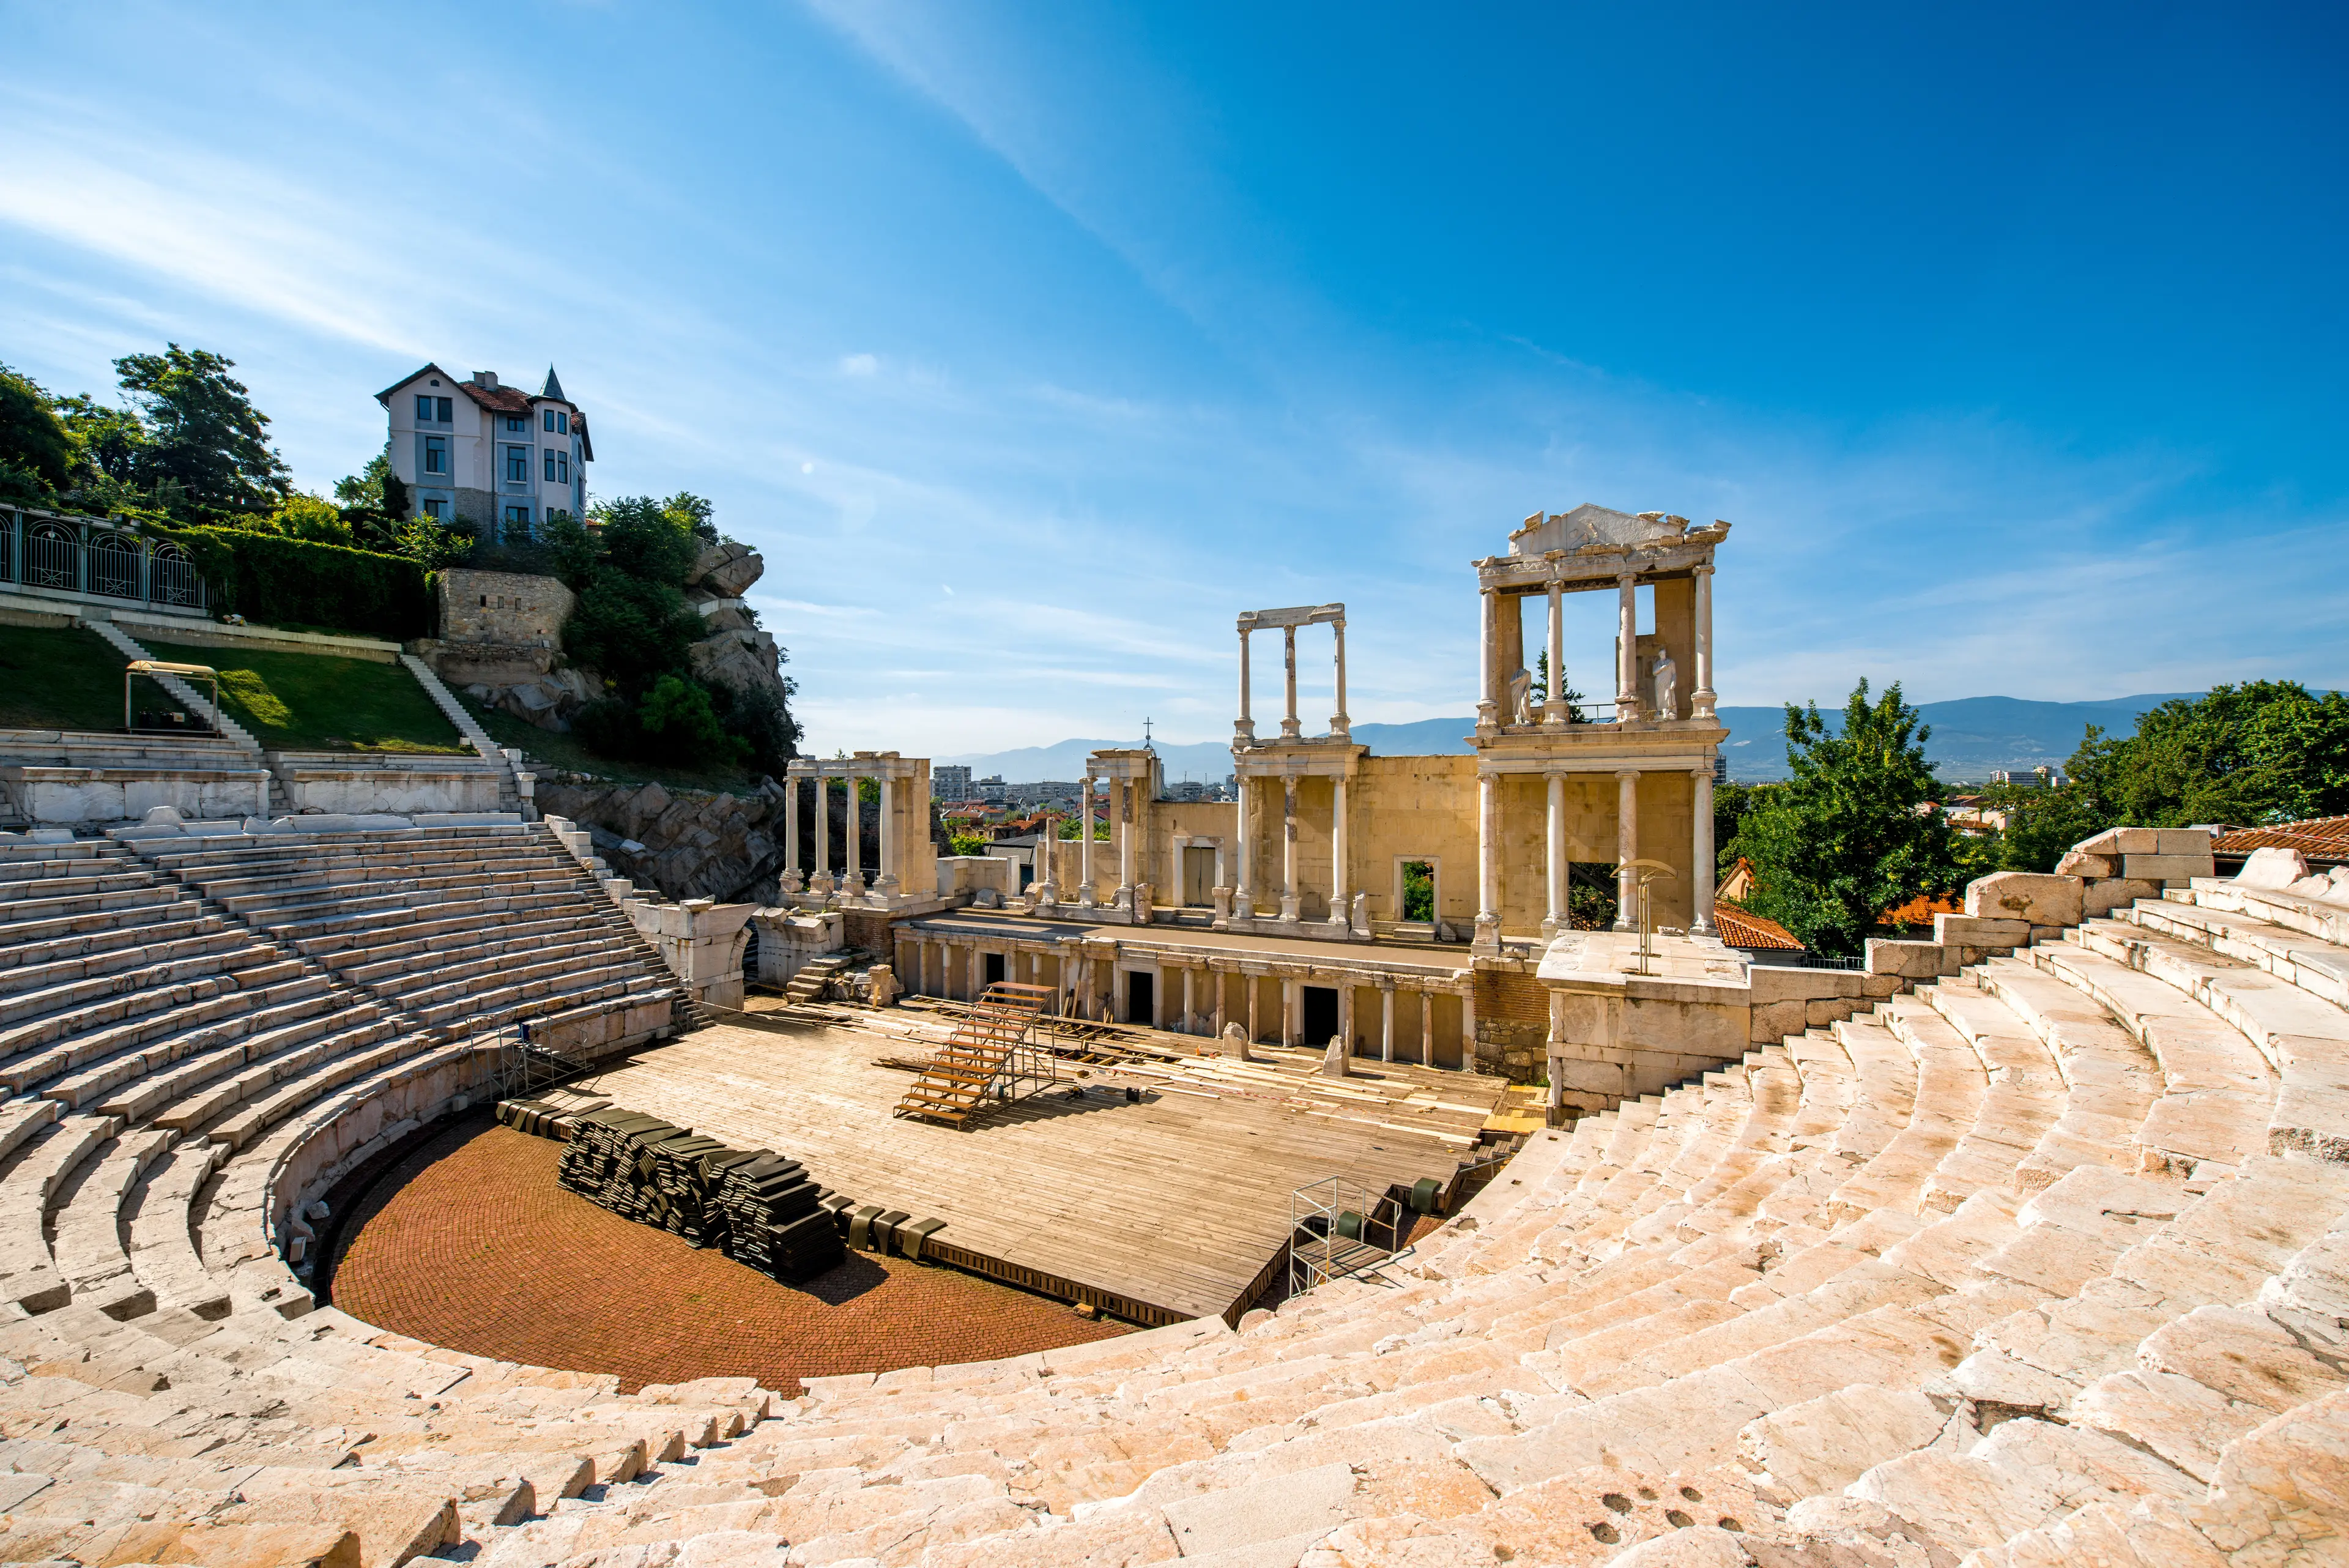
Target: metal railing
point(98, 558)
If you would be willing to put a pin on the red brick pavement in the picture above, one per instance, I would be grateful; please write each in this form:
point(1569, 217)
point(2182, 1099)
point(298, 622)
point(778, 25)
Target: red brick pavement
point(470, 1243)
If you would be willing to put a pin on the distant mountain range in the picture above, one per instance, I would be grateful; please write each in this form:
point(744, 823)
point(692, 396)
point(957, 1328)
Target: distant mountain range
point(1971, 736)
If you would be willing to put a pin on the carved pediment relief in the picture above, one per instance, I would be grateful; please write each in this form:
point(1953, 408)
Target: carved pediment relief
point(1593, 524)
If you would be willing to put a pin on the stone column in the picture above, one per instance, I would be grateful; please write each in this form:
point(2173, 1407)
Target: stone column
point(1085, 850)
point(823, 882)
point(1046, 890)
point(1339, 893)
point(887, 883)
point(1215, 1001)
point(1627, 649)
point(1557, 919)
point(1468, 1028)
point(1290, 991)
point(1290, 730)
point(1243, 726)
point(1700, 700)
point(1244, 896)
point(1125, 795)
point(1346, 1013)
point(1700, 887)
point(1426, 1027)
point(1339, 725)
point(1254, 988)
point(1289, 848)
point(977, 972)
point(856, 840)
point(1182, 1019)
point(1627, 848)
point(1553, 710)
point(792, 880)
point(1488, 708)
point(1488, 863)
point(1386, 1017)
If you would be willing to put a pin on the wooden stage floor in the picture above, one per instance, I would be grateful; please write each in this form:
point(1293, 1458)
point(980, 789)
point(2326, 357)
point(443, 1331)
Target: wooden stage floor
point(1178, 1201)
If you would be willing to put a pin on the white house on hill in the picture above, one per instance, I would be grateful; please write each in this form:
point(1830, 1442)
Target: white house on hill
point(494, 454)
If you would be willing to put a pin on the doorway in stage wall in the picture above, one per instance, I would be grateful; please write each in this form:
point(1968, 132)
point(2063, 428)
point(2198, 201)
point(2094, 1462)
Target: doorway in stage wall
point(1198, 876)
point(994, 970)
point(1320, 1008)
point(1141, 997)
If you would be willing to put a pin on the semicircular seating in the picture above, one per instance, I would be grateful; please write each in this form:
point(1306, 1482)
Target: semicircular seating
point(2045, 1262)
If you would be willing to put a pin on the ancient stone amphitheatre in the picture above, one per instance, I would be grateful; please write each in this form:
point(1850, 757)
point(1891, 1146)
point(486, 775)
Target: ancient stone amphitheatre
point(2029, 1245)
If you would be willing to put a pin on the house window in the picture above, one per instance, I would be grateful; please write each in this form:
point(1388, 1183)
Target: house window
point(516, 423)
point(517, 464)
point(436, 509)
point(517, 524)
point(558, 467)
point(436, 455)
point(423, 410)
point(548, 416)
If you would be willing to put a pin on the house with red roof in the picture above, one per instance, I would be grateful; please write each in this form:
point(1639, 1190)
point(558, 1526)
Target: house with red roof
point(479, 451)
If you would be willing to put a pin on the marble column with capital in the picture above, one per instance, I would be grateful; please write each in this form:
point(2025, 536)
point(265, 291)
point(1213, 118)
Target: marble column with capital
point(887, 883)
point(1386, 1019)
point(1556, 920)
point(855, 887)
point(1341, 726)
point(1244, 896)
point(1700, 810)
point(1122, 791)
point(1288, 897)
point(1085, 846)
point(1289, 728)
point(1554, 705)
point(1488, 863)
point(1628, 708)
point(1702, 700)
point(823, 883)
point(1243, 726)
point(1340, 893)
point(1626, 849)
point(792, 882)
point(1488, 707)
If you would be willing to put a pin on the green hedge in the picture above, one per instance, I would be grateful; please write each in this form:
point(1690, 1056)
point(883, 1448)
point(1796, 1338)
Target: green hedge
point(268, 578)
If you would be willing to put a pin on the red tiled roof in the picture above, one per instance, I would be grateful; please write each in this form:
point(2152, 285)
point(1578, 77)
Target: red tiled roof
point(1740, 929)
point(497, 400)
point(2318, 837)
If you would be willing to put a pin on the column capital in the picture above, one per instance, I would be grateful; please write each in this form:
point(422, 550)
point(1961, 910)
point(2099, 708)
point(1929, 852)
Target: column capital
point(1627, 579)
point(1627, 773)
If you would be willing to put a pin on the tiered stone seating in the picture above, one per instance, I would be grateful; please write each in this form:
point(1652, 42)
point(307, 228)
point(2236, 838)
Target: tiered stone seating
point(463, 929)
point(2048, 1258)
point(94, 776)
point(174, 1085)
point(2048, 1261)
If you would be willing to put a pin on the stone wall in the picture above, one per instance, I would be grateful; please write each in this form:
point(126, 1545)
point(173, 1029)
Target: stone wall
point(507, 609)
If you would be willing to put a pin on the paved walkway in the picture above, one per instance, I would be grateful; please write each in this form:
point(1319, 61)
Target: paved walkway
point(470, 1242)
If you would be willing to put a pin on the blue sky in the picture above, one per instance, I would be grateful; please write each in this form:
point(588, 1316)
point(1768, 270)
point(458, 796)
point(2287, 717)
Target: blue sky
point(1031, 343)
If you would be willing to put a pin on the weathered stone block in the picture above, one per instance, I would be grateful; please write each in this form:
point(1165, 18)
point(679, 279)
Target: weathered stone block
point(1973, 931)
point(1819, 1013)
point(2272, 868)
point(1907, 961)
point(2102, 897)
point(2167, 868)
point(2081, 862)
point(2032, 897)
point(1774, 1020)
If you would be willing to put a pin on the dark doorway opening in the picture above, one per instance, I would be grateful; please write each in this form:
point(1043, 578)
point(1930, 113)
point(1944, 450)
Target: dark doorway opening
point(1141, 997)
point(994, 969)
point(1321, 1022)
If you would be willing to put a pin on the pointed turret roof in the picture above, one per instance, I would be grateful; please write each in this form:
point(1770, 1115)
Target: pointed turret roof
point(554, 387)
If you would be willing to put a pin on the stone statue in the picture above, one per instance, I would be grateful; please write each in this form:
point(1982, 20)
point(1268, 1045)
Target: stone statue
point(1521, 697)
point(881, 988)
point(1667, 687)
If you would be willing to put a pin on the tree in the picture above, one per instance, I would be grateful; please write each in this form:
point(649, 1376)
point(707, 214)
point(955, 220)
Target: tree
point(650, 540)
point(2266, 750)
point(1843, 839)
point(38, 454)
point(2040, 823)
point(375, 502)
point(1572, 698)
point(203, 434)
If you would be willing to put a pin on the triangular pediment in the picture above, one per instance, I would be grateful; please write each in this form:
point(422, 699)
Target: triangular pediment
point(1592, 524)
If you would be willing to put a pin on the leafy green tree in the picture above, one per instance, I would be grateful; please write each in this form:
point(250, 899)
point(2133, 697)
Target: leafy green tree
point(1732, 802)
point(38, 455)
point(375, 503)
point(203, 434)
point(2266, 750)
point(1843, 839)
point(648, 540)
point(961, 842)
point(631, 631)
point(2040, 823)
point(680, 723)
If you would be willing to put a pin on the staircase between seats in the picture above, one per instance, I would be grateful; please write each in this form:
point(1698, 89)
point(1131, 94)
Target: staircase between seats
point(992, 1050)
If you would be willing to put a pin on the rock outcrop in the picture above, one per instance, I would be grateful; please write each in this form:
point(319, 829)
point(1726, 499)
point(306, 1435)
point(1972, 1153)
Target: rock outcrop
point(734, 653)
point(697, 843)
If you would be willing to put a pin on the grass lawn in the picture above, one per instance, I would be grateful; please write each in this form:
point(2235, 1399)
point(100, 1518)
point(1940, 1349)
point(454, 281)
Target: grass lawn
point(321, 702)
point(568, 752)
point(64, 678)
